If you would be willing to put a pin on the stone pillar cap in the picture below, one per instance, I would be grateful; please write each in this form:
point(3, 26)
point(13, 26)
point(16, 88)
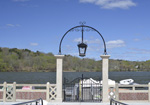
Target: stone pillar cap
point(105, 56)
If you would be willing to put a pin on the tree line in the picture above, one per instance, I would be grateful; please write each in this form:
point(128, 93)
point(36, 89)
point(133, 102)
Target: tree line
point(25, 60)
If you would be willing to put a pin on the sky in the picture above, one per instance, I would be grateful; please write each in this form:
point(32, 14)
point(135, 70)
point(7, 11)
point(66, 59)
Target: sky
point(39, 25)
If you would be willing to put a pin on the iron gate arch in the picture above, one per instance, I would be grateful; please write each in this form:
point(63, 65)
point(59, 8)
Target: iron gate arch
point(82, 90)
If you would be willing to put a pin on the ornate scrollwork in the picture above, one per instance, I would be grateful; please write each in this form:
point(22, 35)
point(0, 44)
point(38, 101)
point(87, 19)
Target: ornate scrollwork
point(82, 28)
point(79, 29)
point(82, 23)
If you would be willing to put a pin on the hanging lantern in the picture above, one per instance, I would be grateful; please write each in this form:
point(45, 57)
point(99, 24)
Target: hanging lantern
point(82, 49)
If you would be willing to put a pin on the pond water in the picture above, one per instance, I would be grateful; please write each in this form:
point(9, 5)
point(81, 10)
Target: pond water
point(44, 77)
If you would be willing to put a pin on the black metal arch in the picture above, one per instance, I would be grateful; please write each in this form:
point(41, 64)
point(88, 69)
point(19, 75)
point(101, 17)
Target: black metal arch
point(105, 52)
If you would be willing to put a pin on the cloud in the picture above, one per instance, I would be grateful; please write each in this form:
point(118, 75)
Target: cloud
point(34, 44)
point(88, 1)
point(115, 43)
point(93, 41)
point(17, 25)
point(94, 48)
point(77, 40)
point(148, 38)
point(29, 5)
point(12, 25)
point(110, 4)
point(136, 39)
point(20, 0)
point(139, 51)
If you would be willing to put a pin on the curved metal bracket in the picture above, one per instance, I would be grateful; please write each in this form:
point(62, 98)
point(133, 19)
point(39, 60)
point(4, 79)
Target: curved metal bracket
point(105, 52)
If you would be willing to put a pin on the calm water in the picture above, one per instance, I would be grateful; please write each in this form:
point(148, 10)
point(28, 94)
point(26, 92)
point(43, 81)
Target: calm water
point(43, 77)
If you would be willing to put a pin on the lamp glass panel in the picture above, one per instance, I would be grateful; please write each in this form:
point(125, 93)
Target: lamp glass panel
point(82, 50)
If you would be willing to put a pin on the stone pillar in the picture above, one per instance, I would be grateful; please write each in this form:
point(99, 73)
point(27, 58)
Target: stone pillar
point(59, 75)
point(105, 60)
point(149, 91)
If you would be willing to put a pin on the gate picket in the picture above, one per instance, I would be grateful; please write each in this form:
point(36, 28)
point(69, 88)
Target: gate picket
point(82, 90)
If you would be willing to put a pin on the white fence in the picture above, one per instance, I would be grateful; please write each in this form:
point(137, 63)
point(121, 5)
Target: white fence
point(130, 92)
point(21, 92)
point(16, 92)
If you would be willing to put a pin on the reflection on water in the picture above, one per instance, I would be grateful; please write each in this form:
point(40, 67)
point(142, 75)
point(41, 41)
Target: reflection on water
point(44, 77)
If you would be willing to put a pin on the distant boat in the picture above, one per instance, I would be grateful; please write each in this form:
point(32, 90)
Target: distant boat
point(93, 83)
point(127, 82)
point(90, 83)
point(110, 82)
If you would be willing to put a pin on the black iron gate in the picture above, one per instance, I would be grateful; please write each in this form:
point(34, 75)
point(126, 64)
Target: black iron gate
point(82, 90)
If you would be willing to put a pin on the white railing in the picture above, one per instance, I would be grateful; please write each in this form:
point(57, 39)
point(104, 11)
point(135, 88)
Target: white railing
point(14, 92)
point(138, 92)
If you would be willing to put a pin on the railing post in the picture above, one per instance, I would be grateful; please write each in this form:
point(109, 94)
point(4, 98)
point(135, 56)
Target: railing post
point(149, 91)
point(117, 91)
point(47, 91)
point(4, 91)
point(14, 91)
point(133, 87)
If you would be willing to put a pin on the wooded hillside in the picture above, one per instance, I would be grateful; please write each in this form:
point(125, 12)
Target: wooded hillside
point(24, 60)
